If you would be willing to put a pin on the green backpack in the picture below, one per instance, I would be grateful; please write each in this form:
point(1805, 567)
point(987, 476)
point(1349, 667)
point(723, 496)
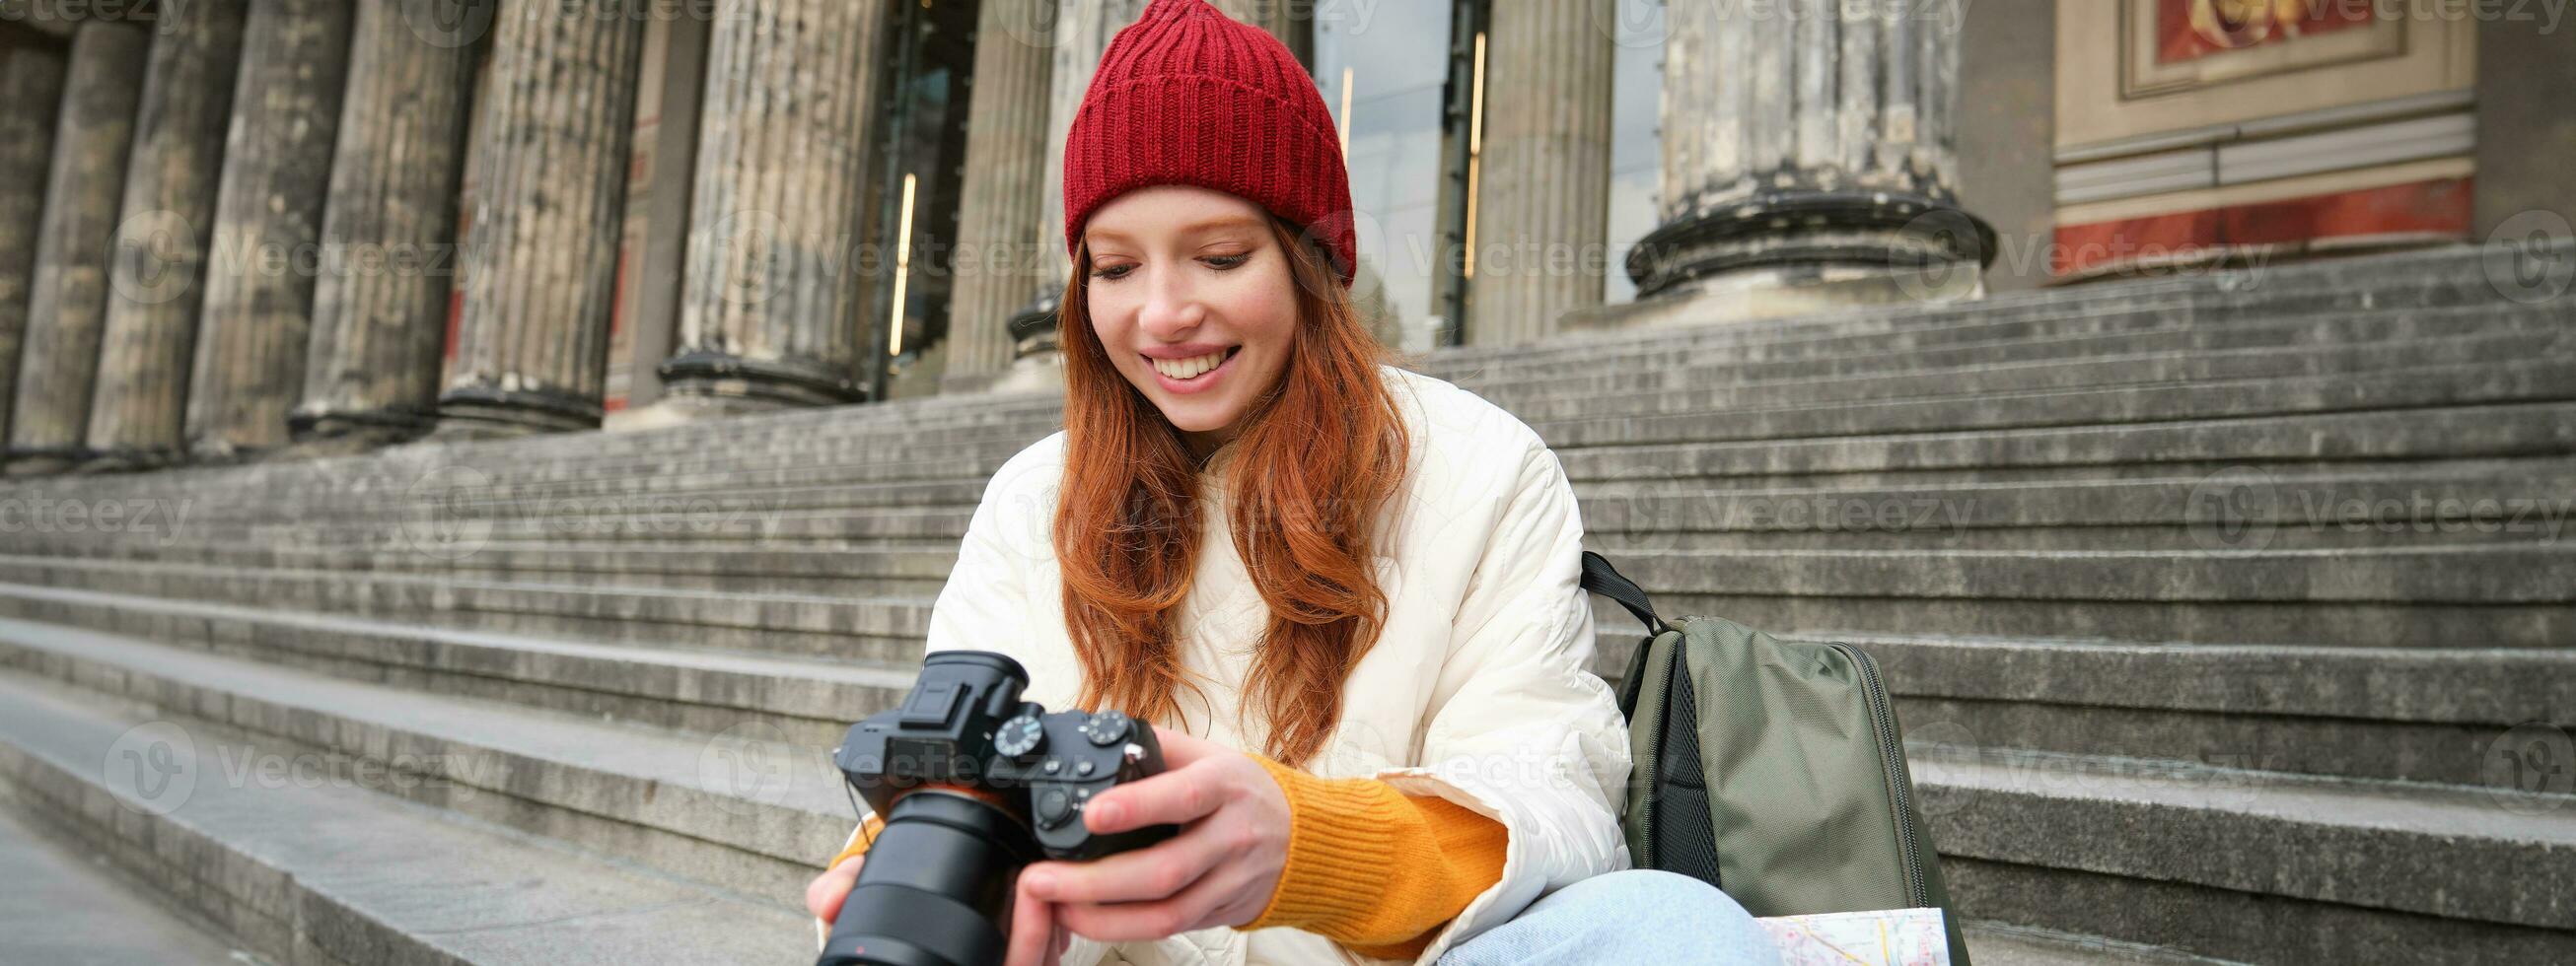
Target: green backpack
point(1772, 769)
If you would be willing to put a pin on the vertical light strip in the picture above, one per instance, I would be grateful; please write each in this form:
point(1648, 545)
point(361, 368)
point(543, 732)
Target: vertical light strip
point(1346, 112)
point(1475, 152)
point(902, 269)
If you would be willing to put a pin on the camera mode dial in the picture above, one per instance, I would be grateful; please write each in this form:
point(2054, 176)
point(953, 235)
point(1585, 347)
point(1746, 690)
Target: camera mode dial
point(1021, 737)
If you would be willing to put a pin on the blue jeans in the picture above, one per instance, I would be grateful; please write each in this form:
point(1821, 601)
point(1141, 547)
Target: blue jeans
point(1631, 916)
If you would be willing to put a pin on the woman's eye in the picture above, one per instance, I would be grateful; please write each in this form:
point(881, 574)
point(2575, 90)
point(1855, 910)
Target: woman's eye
point(1112, 273)
point(1224, 262)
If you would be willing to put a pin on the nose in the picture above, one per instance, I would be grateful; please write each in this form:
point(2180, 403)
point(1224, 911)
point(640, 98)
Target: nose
point(1173, 307)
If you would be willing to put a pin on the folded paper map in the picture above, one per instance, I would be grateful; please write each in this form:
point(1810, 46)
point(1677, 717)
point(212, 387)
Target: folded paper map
point(1882, 937)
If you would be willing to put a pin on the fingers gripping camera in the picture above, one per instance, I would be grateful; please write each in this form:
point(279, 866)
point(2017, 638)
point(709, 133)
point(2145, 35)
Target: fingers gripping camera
point(974, 785)
point(1064, 759)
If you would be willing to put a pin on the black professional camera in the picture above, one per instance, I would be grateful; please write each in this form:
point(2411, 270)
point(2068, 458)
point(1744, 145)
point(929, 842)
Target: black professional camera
point(974, 785)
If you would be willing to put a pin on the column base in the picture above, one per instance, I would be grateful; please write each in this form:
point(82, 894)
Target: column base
point(484, 412)
point(681, 410)
point(1811, 233)
point(340, 431)
point(129, 459)
point(42, 460)
point(1757, 295)
point(767, 383)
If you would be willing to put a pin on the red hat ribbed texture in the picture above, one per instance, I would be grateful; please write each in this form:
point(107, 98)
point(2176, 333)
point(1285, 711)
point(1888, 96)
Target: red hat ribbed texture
point(1188, 95)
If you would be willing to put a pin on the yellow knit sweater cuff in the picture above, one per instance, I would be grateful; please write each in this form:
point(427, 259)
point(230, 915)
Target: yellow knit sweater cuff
point(859, 841)
point(1375, 869)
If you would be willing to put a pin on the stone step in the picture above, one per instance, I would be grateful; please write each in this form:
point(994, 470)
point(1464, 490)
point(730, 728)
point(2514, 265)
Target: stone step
point(2400, 375)
point(2003, 450)
point(63, 904)
point(305, 860)
point(2469, 385)
point(1836, 378)
point(2319, 441)
point(2005, 944)
point(2518, 595)
point(2390, 714)
point(2001, 337)
point(2426, 855)
point(911, 552)
point(2470, 502)
point(740, 809)
point(2253, 866)
point(2454, 278)
point(844, 627)
point(2421, 715)
point(806, 702)
point(2193, 355)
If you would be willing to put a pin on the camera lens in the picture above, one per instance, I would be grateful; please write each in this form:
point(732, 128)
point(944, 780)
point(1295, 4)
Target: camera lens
point(936, 888)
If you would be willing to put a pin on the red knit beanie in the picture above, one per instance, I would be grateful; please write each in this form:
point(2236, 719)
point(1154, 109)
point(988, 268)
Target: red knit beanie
point(1187, 95)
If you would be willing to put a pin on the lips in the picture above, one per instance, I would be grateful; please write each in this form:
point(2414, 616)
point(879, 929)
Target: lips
point(1202, 379)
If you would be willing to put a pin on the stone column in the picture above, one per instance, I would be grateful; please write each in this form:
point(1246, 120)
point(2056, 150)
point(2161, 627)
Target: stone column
point(156, 281)
point(1808, 157)
point(31, 88)
point(389, 232)
point(768, 312)
point(68, 303)
point(549, 161)
point(258, 311)
point(998, 220)
point(1292, 21)
point(1543, 182)
point(1083, 29)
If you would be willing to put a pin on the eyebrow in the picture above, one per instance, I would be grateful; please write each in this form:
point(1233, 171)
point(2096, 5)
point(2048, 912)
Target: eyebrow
point(1212, 224)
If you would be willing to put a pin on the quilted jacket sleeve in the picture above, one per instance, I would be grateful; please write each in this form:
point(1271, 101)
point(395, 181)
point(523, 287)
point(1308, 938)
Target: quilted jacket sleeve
point(1521, 730)
point(984, 604)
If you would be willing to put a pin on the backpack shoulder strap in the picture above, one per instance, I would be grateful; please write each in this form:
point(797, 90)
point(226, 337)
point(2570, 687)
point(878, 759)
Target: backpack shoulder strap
point(1601, 578)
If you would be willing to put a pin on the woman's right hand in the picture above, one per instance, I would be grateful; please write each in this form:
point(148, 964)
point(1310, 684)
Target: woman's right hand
point(1036, 940)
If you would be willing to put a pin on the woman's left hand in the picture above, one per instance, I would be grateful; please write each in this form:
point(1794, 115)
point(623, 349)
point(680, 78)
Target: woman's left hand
point(1220, 871)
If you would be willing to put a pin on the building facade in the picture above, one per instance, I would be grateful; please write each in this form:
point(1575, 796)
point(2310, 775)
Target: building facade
point(236, 227)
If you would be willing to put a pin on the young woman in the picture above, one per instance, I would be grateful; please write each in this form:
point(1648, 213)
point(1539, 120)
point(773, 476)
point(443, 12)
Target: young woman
point(1345, 593)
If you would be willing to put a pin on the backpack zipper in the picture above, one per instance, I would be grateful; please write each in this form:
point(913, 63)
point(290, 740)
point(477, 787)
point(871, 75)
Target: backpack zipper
point(1650, 708)
point(1900, 782)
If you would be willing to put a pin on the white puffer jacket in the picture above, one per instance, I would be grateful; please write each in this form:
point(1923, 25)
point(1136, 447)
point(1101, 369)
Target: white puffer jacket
point(1479, 690)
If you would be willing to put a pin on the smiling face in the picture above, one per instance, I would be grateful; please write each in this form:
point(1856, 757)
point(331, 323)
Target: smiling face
point(1193, 300)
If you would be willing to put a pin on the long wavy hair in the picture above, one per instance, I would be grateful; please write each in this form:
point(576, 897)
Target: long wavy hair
point(1320, 453)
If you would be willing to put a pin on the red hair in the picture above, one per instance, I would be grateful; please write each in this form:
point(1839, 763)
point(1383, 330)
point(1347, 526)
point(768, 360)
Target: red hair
point(1320, 453)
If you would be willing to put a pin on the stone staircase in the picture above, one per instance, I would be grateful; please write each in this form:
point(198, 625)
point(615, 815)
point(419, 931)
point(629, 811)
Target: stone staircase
point(2213, 606)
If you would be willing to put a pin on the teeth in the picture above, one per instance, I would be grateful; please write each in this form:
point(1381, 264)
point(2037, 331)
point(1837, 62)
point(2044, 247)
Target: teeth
point(1189, 368)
